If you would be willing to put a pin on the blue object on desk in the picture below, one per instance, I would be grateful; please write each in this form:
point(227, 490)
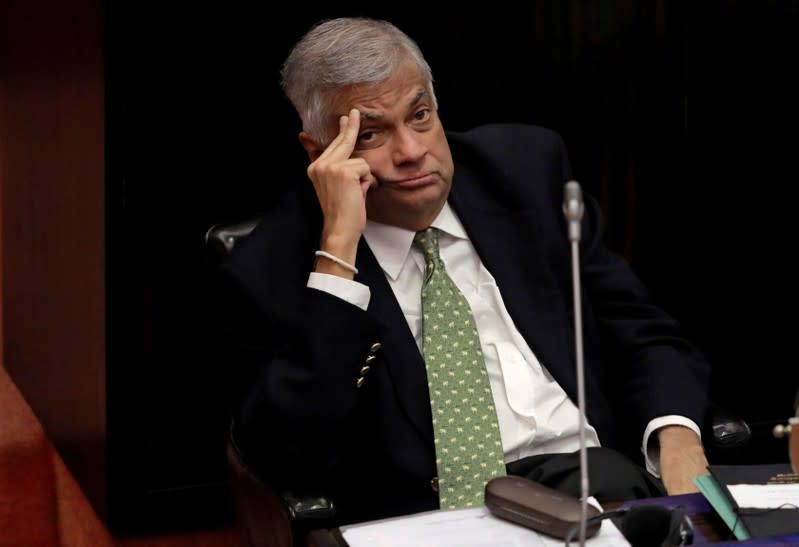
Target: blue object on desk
point(694, 504)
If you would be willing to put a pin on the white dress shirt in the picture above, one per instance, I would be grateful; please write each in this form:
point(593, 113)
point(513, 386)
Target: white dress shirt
point(535, 415)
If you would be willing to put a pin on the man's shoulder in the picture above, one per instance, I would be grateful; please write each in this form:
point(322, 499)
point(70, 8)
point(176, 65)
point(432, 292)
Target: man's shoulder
point(500, 133)
point(519, 157)
point(282, 240)
point(507, 142)
point(510, 166)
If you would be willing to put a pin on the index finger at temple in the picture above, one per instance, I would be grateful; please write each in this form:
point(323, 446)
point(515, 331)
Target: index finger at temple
point(351, 132)
point(342, 146)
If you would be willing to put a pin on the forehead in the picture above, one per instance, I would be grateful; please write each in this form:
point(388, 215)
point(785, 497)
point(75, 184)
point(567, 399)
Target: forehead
point(397, 92)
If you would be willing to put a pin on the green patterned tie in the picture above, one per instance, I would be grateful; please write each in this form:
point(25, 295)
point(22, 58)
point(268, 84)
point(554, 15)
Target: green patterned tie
point(468, 445)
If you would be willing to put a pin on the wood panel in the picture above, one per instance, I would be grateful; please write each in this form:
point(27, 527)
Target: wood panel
point(52, 176)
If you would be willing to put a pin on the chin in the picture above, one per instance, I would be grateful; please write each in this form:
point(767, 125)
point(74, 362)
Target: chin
point(410, 218)
point(413, 210)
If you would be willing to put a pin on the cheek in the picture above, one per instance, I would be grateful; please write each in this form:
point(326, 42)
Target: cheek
point(444, 157)
point(438, 144)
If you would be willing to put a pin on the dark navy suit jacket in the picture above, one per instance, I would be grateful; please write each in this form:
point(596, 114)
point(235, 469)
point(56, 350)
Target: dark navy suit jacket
point(310, 417)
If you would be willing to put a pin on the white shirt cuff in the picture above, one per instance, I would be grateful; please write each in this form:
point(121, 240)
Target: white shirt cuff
point(348, 290)
point(651, 446)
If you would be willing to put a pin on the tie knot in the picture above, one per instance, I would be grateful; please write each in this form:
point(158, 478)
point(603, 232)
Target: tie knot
point(427, 241)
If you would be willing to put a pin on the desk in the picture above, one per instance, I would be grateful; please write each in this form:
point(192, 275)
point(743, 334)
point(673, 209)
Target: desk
point(708, 526)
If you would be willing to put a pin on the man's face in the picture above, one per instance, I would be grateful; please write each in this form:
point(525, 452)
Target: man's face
point(403, 141)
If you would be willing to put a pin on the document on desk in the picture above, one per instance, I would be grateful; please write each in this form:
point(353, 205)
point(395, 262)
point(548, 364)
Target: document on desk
point(765, 496)
point(475, 527)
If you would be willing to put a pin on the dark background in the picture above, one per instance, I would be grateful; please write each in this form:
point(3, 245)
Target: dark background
point(681, 119)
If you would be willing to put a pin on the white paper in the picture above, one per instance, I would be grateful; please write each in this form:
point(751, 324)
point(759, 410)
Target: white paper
point(765, 496)
point(475, 527)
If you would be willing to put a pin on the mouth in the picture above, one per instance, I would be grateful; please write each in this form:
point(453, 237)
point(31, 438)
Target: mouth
point(411, 182)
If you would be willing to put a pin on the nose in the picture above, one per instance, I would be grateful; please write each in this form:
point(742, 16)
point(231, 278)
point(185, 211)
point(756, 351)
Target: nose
point(409, 146)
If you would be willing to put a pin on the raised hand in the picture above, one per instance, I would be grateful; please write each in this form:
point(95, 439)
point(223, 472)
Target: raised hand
point(341, 182)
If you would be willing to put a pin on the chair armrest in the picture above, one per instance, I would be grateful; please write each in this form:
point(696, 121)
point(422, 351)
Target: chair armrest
point(728, 430)
point(313, 510)
point(266, 518)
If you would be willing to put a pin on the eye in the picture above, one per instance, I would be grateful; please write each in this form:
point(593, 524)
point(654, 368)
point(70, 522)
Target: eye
point(370, 138)
point(421, 115)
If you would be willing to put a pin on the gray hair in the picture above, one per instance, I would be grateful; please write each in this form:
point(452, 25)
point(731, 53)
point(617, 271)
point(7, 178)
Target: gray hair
point(343, 52)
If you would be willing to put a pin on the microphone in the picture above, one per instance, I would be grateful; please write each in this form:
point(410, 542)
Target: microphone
point(573, 211)
point(573, 208)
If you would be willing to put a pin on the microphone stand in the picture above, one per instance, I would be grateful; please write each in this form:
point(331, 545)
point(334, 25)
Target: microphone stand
point(573, 210)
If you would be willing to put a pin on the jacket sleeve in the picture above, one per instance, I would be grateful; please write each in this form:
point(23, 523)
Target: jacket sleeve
point(297, 368)
point(656, 370)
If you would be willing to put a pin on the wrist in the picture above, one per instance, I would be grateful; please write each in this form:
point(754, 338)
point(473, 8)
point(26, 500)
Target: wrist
point(336, 255)
point(337, 262)
point(342, 246)
point(677, 436)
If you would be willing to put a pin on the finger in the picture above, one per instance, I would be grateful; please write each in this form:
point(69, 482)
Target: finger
point(344, 143)
point(352, 170)
point(367, 183)
point(351, 130)
point(342, 124)
point(359, 169)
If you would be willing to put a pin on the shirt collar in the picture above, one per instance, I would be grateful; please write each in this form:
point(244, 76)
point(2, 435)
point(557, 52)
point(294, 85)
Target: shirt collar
point(391, 244)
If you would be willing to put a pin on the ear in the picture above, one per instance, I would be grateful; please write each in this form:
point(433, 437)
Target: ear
point(312, 148)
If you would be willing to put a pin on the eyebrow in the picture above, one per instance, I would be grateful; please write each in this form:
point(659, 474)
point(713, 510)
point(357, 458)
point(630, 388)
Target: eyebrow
point(418, 97)
point(366, 116)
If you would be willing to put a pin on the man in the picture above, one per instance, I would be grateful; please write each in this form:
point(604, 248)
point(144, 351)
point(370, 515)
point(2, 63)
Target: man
point(330, 308)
